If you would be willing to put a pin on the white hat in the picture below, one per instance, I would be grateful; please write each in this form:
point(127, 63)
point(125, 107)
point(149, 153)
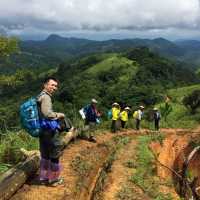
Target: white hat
point(142, 107)
point(94, 101)
point(127, 108)
point(115, 104)
point(155, 108)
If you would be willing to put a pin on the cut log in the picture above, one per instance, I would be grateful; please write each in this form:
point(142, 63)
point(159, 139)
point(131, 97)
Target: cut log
point(14, 178)
point(69, 136)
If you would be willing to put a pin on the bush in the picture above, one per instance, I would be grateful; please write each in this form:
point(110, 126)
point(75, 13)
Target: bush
point(192, 101)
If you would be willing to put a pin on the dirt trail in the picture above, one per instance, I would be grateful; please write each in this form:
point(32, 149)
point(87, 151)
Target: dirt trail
point(37, 192)
point(118, 177)
point(32, 191)
point(116, 180)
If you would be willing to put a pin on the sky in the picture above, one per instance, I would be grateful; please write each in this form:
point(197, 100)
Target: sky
point(101, 19)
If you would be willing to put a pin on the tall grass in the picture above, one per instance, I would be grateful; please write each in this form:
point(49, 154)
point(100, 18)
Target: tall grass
point(10, 144)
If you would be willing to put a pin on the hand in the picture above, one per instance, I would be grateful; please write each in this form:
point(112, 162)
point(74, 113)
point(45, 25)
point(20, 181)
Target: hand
point(60, 115)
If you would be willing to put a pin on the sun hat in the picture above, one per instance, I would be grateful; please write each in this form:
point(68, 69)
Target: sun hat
point(94, 101)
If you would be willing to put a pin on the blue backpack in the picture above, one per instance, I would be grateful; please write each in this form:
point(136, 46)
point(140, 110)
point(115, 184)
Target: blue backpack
point(31, 121)
point(30, 117)
point(109, 114)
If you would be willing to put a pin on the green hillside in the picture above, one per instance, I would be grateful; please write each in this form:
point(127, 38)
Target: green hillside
point(135, 77)
point(114, 61)
point(180, 116)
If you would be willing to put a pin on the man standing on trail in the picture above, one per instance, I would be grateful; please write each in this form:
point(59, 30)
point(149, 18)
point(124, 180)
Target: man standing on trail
point(115, 116)
point(92, 118)
point(124, 116)
point(156, 117)
point(138, 116)
point(51, 145)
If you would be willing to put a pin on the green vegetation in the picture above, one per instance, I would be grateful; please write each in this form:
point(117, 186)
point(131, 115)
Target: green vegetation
point(180, 116)
point(134, 77)
point(8, 46)
point(10, 145)
point(145, 175)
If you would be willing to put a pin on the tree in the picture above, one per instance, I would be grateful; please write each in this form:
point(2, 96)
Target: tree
point(192, 101)
point(8, 46)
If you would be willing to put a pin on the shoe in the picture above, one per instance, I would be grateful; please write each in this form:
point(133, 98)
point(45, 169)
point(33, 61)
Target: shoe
point(92, 139)
point(56, 182)
point(43, 181)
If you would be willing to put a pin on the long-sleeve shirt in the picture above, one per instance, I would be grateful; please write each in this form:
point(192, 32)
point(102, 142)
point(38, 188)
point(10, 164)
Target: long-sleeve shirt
point(115, 113)
point(139, 116)
point(46, 107)
point(91, 113)
point(124, 116)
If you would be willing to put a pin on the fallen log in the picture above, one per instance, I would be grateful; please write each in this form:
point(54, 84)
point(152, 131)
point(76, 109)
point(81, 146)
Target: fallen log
point(14, 178)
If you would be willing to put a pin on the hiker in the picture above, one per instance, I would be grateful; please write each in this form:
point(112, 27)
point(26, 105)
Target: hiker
point(115, 116)
point(92, 118)
point(138, 116)
point(124, 116)
point(156, 117)
point(50, 143)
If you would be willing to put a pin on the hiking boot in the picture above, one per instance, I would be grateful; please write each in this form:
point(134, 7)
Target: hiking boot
point(56, 182)
point(92, 139)
point(43, 182)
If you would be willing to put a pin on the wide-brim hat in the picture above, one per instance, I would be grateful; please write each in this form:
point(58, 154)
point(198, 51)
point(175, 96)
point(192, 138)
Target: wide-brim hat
point(94, 101)
point(142, 107)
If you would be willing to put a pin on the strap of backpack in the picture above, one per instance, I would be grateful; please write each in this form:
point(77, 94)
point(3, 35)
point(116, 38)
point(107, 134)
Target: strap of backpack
point(39, 104)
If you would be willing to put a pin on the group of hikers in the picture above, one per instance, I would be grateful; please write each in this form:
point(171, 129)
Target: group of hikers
point(119, 115)
point(50, 144)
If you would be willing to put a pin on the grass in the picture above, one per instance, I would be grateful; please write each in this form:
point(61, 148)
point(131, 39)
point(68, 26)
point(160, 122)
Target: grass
point(10, 144)
point(126, 193)
point(115, 61)
point(145, 174)
point(179, 93)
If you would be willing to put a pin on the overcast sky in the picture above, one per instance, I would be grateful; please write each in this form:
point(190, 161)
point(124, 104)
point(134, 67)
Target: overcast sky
point(101, 19)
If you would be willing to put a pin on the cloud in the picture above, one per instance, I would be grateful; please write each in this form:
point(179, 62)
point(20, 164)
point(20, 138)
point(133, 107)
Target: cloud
point(99, 15)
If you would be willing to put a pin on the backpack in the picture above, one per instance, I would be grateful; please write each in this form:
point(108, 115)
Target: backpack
point(29, 117)
point(82, 113)
point(135, 114)
point(109, 114)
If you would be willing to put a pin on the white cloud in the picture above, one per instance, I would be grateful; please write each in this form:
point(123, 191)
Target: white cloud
point(99, 15)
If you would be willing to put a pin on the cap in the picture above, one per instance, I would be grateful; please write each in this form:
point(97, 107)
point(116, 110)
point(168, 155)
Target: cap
point(142, 107)
point(94, 101)
point(127, 108)
point(115, 104)
point(155, 108)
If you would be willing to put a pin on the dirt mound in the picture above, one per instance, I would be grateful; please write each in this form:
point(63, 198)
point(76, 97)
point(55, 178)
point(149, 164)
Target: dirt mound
point(172, 155)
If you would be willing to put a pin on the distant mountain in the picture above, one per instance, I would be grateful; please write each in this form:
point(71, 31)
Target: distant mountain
point(56, 49)
point(62, 48)
point(191, 50)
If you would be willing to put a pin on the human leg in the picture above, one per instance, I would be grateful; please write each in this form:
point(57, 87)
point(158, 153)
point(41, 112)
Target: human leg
point(44, 144)
point(137, 124)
